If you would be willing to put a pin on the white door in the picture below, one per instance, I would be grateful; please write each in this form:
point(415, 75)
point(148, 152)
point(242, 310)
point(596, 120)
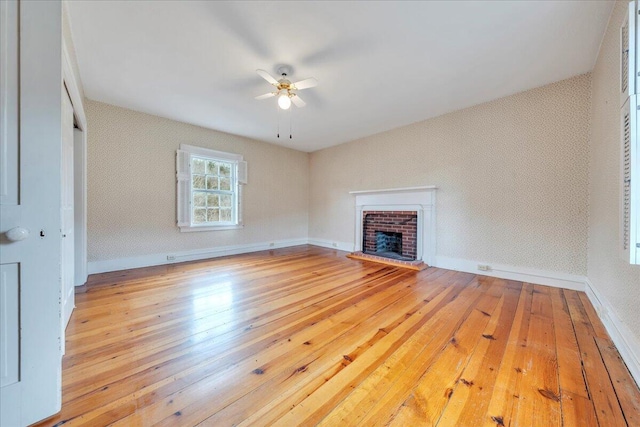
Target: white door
point(9, 216)
point(66, 215)
point(30, 187)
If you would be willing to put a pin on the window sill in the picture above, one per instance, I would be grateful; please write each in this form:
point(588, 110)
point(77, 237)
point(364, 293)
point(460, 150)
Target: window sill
point(190, 229)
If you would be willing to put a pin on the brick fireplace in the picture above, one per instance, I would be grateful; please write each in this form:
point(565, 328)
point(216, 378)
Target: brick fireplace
point(390, 234)
point(401, 220)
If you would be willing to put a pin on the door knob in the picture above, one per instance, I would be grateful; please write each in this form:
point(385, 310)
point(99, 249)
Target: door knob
point(17, 233)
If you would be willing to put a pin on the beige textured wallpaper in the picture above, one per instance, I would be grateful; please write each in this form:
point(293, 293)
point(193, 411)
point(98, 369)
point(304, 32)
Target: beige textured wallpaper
point(615, 279)
point(512, 178)
point(132, 191)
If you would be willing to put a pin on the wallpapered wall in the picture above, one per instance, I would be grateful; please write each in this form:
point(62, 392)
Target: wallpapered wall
point(511, 175)
point(615, 279)
point(512, 178)
point(132, 190)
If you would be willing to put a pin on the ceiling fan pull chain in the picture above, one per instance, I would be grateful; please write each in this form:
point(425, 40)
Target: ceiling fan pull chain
point(278, 114)
point(290, 137)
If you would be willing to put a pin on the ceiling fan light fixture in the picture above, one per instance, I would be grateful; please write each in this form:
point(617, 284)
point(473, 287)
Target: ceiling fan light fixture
point(284, 102)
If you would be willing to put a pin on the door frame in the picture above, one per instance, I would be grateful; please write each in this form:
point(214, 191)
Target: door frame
point(80, 167)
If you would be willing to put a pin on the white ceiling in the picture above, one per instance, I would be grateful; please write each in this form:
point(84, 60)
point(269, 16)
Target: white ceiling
point(380, 65)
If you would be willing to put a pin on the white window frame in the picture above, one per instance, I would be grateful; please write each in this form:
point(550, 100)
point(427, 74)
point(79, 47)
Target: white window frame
point(184, 190)
point(628, 58)
point(630, 179)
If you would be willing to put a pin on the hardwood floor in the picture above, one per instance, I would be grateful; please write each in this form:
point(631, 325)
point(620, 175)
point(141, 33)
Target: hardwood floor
point(305, 336)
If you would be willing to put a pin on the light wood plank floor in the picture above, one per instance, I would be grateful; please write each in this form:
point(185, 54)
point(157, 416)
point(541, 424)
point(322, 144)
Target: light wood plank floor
point(305, 336)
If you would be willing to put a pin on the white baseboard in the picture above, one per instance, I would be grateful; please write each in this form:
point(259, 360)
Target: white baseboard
point(161, 258)
point(82, 280)
point(625, 341)
point(621, 336)
point(68, 305)
point(342, 246)
point(509, 272)
point(529, 275)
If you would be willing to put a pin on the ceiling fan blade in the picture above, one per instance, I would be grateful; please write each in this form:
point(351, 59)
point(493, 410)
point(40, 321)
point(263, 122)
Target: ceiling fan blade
point(266, 95)
point(306, 83)
point(267, 77)
point(297, 101)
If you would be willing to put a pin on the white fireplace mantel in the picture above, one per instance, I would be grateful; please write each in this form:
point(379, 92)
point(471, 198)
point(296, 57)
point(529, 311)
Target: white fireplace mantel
point(419, 199)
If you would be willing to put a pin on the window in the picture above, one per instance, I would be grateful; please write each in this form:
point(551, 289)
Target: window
point(209, 189)
point(630, 140)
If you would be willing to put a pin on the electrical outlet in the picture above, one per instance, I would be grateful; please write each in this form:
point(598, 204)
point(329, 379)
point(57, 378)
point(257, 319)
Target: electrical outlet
point(171, 257)
point(335, 245)
point(484, 267)
point(271, 244)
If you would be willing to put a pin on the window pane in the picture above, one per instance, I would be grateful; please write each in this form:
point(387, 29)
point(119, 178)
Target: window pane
point(213, 200)
point(225, 214)
point(225, 169)
point(198, 182)
point(225, 200)
point(212, 167)
point(199, 199)
point(197, 166)
point(199, 216)
point(213, 215)
point(212, 182)
point(225, 184)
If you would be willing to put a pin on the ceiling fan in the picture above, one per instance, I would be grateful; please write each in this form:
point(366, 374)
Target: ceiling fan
point(285, 90)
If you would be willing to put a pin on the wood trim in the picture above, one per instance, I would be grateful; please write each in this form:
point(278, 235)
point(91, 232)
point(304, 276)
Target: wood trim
point(395, 190)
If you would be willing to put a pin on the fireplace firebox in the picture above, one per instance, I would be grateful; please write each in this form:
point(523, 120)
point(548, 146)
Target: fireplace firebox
point(388, 241)
point(390, 234)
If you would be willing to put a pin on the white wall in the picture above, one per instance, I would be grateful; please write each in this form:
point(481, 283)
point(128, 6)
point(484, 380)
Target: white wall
point(67, 36)
point(132, 192)
point(617, 282)
point(511, 176)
